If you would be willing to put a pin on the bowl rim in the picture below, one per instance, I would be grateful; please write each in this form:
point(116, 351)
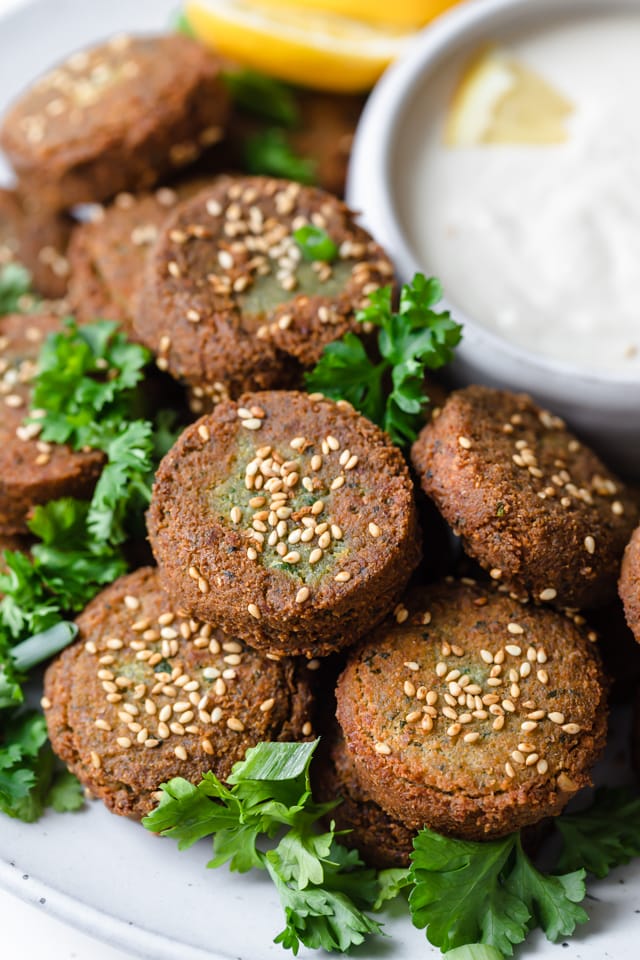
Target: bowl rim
point(376, 141)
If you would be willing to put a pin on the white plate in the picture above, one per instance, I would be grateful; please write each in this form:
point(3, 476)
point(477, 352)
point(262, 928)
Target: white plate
point(108, 876)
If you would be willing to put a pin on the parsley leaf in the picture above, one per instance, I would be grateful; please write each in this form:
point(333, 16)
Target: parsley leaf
point(26, 767)
point(262, 96)
point(15, 283)
point(270, 153)
point(315, 243)
point(605, 835)
point(324, 888)
point(391, 883)
point(410, 341)
point(66, 793)
point(466, 892)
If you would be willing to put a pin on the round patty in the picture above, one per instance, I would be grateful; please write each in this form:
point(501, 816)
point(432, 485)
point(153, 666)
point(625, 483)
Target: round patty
point(533, 505)
point(31, 471)
point(228, 298)
point(115, 117)
point(38, 240)
point(380, 840)
point(630, 583)
point(108, 254)
point(472, 713)
point(146, 694)
point(286, 518)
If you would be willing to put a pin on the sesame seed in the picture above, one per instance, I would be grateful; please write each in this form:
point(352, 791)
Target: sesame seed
point(382, 748)
point(566, 783)
point(513, 649)
point(307, 729)
point(471, 737)
point(336, 532)
point(252, 423)
point(203, 585)
point(542, 766)
point(498, 723)
point(464, 442)
point(617, 508)
point(528, 726)
point(95, 760)
point(317, 507)
point(509, 770)
point(486, 656)
point(233, 723)
point(343, 577)
point(556, 717)
point(495, 573)
point(571, 728)
point(548, 594)
point(517, 756)
point(180, 752)
point(124, 742)
point(337, 483)
point(374, 530)
point(333, 443)
point(589, 544)
point(454, 730)
point(409, 688)
point(45, 703)
point(515, 628)
point(402, 614)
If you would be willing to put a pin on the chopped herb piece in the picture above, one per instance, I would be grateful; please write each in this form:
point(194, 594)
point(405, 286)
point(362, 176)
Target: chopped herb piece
point(15, 283)
point(262, 96)
point(269, 153)
point(315, 243)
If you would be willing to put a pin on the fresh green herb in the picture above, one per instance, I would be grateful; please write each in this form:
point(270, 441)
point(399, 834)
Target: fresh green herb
point(324, 888)
point(270, 153)
point(474, 951)
point(180, 23)
point(605, 835)
point(262, 96)
point(15, 283)
point(66, 794)
point(315, 243)
point(82, 395)
point(466, 892)
point(392, 391)
point(391, 883)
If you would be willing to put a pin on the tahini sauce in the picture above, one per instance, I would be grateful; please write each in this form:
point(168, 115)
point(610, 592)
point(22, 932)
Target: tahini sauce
point(541, 244)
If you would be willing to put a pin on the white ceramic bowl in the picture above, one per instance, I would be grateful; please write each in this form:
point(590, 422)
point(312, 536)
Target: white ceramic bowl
point(603, 407)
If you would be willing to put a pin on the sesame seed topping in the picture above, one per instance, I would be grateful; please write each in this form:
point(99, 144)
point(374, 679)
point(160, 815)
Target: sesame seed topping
point(235, 724)
point(589, 544)
point(382, 748)
point(495, 573)
point(549, 593)
point(513, 649)
point(464, 442)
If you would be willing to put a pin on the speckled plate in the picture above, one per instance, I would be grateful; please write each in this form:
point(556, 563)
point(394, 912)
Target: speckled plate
point(108, 876)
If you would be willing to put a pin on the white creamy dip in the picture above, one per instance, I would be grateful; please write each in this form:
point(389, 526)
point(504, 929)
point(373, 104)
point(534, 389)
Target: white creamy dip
point(541, 243)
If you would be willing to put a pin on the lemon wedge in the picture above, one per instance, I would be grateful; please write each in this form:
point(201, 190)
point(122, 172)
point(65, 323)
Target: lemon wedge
point(500, 100)
point(303, 46)
point(400, 13)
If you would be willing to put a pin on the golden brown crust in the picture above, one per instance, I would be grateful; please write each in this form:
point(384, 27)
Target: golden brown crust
point(229, 301)
point(476, 715)
point(187, 699)
point(533, 505)
point(36, 239)
point(108, 254)
point(629, 585)
point(312, 577)
point(115, 117)
point(32, 472)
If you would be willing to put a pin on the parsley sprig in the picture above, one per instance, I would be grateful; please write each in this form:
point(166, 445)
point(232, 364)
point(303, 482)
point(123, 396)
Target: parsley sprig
point(323, 887)
point(15, 284)
point(415, 338)
point(605, 835)
point(82, 395)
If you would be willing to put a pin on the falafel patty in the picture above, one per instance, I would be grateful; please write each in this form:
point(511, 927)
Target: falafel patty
point(533, 505)
point(147, 693)
point(31, 471)
point(107, 254)
point(115, 117)
point(286, 518)
point(380, 840)
point(37, 240)
point(228, 297)
point(472, 713)
point(629, 585)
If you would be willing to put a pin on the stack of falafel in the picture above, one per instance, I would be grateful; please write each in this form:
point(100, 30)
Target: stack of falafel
point(288, 530)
